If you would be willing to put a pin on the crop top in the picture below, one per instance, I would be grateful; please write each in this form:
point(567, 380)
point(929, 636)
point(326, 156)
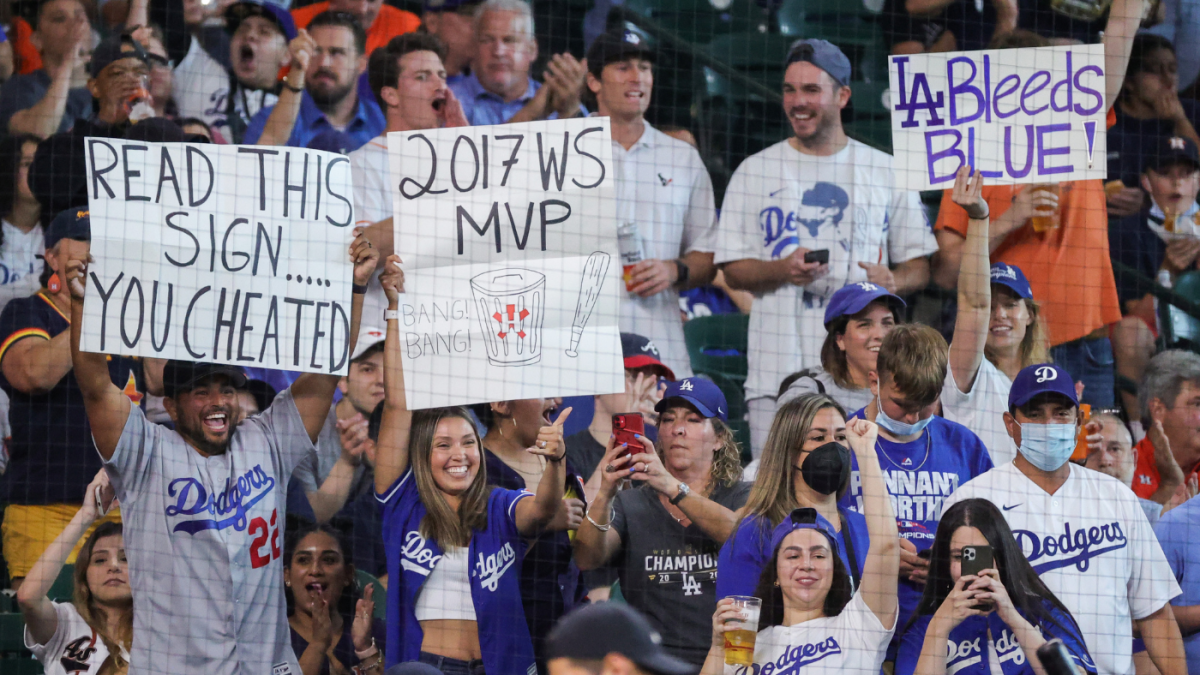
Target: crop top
point(446, 594)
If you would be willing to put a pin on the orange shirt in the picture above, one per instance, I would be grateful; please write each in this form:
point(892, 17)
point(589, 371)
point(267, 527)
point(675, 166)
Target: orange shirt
point(1145, 477)
point(27, 57)
point(389, 23)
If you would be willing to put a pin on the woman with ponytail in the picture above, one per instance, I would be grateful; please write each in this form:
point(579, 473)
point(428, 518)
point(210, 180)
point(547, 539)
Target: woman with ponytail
point(93, 633)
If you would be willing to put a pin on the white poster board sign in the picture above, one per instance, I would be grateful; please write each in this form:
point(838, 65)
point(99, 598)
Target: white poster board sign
point(1019, 115)
point(223, 253)
point(508, 236)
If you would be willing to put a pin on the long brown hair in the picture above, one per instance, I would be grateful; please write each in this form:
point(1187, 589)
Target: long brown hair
point(774, 494)
point(441, 523)
point(833, 357)
point(95, 615)
point(1035, 346)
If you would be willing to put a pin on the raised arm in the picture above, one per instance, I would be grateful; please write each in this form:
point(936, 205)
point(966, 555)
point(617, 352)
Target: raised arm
point(36, 608)
point(391, 450)
point(974, 283)
point(1124, 18)
point(533, 515)
point(107, 408)
point(595, 540)
point(281, 121)
point(43, 118)
point(881, 572)
point(312, 392)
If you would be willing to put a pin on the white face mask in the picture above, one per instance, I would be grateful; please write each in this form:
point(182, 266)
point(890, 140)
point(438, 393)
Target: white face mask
point(1047, 446)
point(897, 428)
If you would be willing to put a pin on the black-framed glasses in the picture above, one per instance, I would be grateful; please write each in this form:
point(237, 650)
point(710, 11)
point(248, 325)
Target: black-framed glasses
point(161, 61)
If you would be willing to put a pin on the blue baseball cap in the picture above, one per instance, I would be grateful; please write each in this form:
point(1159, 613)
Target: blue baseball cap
point(238, 11)
point(822, 54)
point(702, 394)
point(73, 223)
point(804, 519)
point(854, 298)
point(1012, 278)
point(1044, 378)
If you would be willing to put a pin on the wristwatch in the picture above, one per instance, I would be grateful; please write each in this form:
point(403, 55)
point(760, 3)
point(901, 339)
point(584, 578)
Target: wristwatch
point(682, 272)
point(684, 491)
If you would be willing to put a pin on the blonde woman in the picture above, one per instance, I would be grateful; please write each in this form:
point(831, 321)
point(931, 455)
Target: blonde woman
point(92, 634)
point(998, 331)
point(664, 536)
point(454, 543)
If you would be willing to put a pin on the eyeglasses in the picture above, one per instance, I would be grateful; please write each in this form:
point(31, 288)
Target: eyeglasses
point(160, 61)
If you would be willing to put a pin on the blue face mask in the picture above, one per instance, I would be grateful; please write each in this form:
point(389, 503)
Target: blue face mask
point(1047, 446)
point(899, 428)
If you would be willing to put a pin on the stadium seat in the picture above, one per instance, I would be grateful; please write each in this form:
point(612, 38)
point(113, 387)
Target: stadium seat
point(698, 21)
point(1180, 329)
point(12, 635)
point(63, 588)
point(379, 597)
point(719, 333)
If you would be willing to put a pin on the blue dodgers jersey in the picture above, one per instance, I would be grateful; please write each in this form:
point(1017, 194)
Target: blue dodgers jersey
point(919, 476)
point(967, 651)
point(494, 556)
point(744, 555)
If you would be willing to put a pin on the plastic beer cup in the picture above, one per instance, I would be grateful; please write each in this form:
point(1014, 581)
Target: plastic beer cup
point(740, 634)
point(1044, 220)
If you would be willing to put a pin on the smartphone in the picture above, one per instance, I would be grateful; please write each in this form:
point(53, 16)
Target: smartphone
point(975, 559)
point(625, 426)
point(100, 508)
point(821, 256)
point(1055, 658)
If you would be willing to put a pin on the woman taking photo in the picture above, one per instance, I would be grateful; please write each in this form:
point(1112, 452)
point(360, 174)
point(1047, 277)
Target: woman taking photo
point(997, 333)
point(101, 616)
point(333, 633)
point(805, 463)
point(1004, 612)
point(454, 597)
point(550, 581)
point(812, 621)
point(664, 536)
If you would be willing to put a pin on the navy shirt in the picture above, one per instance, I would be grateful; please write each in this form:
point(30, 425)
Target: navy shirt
point(549, 578)
point(919, 476)
point(25, 91)
point(53, 458)
point(368, 123)
point(1133, 243)
point(1131, 141)
point(344, 650)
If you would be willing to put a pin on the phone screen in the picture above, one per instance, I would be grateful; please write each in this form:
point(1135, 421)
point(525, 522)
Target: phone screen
point(626, 427)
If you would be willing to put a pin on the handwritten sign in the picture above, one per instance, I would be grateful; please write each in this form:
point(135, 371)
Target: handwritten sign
point(508, 235)
point(1018, 115)
point(219, 253)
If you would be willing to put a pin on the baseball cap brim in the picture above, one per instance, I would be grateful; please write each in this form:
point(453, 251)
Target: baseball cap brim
point(1015, 287)
point(704, 410)
point(185, 385)
point(644, 361)
point(895, 302)
point(1026, 397)
point(665, 664)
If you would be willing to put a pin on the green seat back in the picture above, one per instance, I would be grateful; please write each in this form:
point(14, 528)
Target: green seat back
point(379, 596)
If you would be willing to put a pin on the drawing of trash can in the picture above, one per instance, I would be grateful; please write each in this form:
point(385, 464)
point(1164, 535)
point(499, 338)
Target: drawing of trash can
point(511, 307)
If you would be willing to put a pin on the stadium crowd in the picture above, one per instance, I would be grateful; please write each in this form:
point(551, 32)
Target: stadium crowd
point(986, 369)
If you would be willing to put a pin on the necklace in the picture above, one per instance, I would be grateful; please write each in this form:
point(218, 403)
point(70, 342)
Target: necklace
point(928, 450)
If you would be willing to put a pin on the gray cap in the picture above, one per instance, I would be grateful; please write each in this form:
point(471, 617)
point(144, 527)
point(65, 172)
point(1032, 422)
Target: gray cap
point(822, 54)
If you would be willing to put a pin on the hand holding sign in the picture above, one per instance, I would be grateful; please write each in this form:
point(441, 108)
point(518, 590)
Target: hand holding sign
point(392, 280)
point(550, 442)
point(77, 278)
point(364, 255)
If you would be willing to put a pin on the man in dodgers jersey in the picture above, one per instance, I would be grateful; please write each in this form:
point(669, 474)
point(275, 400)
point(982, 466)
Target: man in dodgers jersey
point(204, 504)
point(1083, 532)
point(817, 191)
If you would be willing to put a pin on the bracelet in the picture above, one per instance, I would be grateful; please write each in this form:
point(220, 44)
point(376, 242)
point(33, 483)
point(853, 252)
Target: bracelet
point(391, 315)
point(287, 85)
point(359, 289)
point(682, 273)
point(612, 511)
point(368, 652)
point(983, 217)
point(558, 459)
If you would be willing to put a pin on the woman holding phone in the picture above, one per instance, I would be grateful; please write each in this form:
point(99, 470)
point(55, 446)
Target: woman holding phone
point(805, 463)
point(812, 621)
point(454, 593)
point(1000, 611)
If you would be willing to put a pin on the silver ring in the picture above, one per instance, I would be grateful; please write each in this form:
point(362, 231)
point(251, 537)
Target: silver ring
point(541, 444)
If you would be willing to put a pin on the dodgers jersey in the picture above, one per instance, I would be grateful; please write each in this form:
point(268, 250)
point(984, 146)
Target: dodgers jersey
point(204, 536)
point(1092, 546)
point(781, 199)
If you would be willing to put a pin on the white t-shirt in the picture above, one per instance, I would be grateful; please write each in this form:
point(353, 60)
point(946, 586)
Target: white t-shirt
point(851, 399)
point(74, 649)
point(372, 203)
point(663, 187)
point(852, 210)
point(20, 262)
point(851, 643)
point(1091, 545)
point(982, 409)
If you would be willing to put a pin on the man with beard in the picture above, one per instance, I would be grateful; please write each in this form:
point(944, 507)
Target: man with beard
point(336, 472)
point(381, 21)
point(320, 92)
point(204, 504)
point(1118, 458)
point(819, 192)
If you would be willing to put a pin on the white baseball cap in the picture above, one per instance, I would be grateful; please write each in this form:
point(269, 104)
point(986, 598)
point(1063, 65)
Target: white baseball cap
point(367, 338)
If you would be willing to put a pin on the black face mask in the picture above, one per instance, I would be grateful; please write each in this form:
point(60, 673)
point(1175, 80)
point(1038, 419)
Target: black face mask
point(827, 468)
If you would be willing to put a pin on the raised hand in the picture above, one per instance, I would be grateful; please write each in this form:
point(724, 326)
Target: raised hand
point(861, 435)
point(880, 275)
point(364, 611)
point(550, 443)
point(364, 255)
point(451, 112)
point(322, 625)
point(392, 280)
point(76, 273)
point(647, 466)
point(301, 49)
point(355, 439)
point(98, 498)
point(968, 193)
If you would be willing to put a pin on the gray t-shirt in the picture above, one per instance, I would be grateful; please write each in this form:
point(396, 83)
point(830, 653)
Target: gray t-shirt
point(204, 537)
point(669, 572)
point(24, 91)
point(819, 382)
point(315, 467)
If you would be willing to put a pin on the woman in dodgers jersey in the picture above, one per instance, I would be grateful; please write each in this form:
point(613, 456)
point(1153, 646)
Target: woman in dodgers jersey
point(94, 632)
point(948, 635)
point(812, 622)
point(454, 544)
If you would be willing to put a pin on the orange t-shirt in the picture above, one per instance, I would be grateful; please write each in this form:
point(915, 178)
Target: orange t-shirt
point(388, 24)
point(27, 57)
point(1145, 476)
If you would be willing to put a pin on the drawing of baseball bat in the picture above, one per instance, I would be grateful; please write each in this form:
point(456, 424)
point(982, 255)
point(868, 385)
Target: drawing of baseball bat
point(594, 272)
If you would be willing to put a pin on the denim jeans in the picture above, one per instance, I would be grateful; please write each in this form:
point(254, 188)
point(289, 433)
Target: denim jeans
point(1090, 362)
point(450, 666)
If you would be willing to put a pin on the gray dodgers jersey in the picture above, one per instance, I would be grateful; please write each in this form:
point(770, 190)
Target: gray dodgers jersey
point(204, 538)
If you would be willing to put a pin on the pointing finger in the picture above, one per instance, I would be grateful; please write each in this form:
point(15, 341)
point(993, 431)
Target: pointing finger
point(562, 417)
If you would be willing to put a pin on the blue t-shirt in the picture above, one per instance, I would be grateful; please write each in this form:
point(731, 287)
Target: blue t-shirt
point(919, 476)
point(1178, 533)
point(747, 552)
point(494, 556)
point(368, 123)
point(969, 644)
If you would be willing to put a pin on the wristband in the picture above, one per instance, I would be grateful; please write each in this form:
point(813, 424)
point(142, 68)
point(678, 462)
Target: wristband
point(368, 652)
point(682, 272)
point(289, 87)
point(359, 289)
point(391, 315)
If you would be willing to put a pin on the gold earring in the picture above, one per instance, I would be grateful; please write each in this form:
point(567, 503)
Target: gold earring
point(776, 582)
